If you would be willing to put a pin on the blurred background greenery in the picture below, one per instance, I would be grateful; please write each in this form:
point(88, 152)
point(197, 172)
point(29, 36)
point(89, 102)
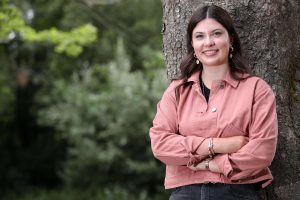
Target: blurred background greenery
point(79, 83)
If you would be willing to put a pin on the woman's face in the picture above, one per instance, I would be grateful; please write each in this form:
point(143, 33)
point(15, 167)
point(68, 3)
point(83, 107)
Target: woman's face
point(211, 43)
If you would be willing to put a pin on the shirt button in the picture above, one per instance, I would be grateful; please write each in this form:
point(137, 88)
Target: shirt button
point(222, 86)
point(213, 110)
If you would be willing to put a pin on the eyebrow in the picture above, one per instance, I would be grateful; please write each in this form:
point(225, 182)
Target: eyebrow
point(212, 30)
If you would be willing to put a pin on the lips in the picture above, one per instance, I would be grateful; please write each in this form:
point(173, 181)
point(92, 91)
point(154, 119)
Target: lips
point(210, 52)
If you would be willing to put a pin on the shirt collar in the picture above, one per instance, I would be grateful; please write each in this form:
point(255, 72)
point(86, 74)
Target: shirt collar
point(194, 77)
point(228, 78)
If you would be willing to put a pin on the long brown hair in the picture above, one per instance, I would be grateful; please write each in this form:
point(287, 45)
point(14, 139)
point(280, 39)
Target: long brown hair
point(237, 63)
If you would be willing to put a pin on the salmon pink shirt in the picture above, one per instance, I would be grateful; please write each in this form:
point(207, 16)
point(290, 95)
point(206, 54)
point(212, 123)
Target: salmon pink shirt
point(235, 108)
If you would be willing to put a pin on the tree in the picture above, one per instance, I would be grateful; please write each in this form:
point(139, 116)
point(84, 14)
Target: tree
point(58, 62)
point(69, 42)
point(269, 34)
point(103, 124)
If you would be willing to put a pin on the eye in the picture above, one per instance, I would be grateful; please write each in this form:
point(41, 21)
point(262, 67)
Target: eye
point(199, 36)
point(217, 33)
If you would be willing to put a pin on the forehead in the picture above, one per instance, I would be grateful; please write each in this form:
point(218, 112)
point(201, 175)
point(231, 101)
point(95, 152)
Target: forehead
point(208, 25)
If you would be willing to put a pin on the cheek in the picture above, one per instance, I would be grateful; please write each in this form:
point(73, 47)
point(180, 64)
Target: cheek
point(223, 42)
point(227, 43)
point(224, 46)
point(197, 46)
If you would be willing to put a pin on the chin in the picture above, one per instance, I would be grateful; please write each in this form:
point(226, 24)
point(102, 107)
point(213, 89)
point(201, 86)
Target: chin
point(213, 63)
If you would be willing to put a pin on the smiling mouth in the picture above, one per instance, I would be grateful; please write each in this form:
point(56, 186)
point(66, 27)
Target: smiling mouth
point(210, 52)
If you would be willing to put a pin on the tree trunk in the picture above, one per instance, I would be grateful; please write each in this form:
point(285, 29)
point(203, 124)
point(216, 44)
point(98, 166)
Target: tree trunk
point(269, 32)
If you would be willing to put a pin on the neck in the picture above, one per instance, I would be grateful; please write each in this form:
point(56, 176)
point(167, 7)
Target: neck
point(209, 74)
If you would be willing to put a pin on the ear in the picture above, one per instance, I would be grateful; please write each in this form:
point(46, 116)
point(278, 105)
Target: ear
point(231, 40)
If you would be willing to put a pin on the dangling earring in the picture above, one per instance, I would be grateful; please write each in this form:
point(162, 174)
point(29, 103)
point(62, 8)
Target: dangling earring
point(197, 61)
point(231, 51)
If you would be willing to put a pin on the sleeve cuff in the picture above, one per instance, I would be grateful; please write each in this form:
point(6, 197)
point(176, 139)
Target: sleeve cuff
point(191, 144)
point(222, 161)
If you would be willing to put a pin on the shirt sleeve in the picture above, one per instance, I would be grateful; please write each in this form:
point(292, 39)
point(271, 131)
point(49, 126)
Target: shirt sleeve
point(259, 152)
point(167, 144)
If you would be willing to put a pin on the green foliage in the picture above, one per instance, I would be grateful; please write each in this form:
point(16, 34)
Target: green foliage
point(71, 42)
point(7, 97)
point(108, 128)
point(80, 122)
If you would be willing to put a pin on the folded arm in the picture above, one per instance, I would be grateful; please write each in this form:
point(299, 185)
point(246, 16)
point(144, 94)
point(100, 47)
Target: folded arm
point(174, 149)
point(259, 152)
point(167, 144)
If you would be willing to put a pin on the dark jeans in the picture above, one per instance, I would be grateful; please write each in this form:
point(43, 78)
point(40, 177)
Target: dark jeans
point(217, 191)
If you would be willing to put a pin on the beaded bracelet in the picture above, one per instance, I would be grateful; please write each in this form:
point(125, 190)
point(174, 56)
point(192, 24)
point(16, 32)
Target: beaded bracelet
point(211, 148)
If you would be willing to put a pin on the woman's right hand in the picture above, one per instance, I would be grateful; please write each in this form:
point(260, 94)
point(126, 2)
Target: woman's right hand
point(229, 144)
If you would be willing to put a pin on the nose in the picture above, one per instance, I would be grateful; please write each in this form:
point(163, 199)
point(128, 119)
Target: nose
point(209, 41)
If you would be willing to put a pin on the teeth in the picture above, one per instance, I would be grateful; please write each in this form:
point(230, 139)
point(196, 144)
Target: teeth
point(210, 52)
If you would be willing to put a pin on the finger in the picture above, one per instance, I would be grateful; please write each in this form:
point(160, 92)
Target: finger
point(193, 168)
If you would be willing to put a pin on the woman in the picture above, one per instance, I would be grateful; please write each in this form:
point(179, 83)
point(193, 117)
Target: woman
point(216, 126)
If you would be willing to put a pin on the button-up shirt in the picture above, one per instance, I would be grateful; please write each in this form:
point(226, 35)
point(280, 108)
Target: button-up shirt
point(235, 108)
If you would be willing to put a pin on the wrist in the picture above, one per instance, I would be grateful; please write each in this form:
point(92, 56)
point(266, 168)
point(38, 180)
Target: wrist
point(213, 167)
point(220, 145)
point(206, 163)
point(210, 147)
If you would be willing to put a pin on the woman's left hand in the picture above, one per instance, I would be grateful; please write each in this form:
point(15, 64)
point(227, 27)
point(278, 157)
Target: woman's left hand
point(201, 166)
point(196, 167)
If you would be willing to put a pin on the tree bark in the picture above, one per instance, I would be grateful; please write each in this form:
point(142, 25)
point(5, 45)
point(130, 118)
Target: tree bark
point(269, 32)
